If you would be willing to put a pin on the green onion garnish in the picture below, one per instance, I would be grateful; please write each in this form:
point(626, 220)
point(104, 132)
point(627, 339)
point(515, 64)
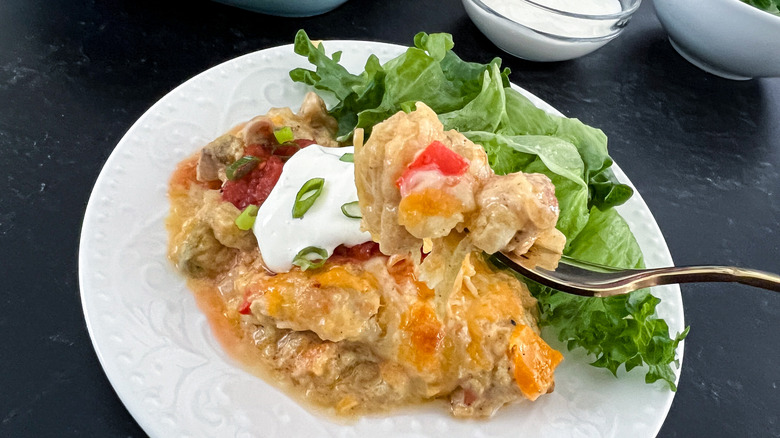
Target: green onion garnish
point(241, 167)
point(349, 157)
point(284, 135)
point(310, 257)
point(352, 210)
point(246, 219)
point(306, 196)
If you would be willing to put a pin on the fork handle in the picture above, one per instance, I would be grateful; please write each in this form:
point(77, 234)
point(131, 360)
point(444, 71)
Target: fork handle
point(593, 280)
point(696, 274)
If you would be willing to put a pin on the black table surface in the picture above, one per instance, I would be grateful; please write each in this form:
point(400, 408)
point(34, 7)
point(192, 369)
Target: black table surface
point(74, 75)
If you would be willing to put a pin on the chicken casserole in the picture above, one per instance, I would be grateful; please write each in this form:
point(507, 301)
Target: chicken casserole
point(414, 312)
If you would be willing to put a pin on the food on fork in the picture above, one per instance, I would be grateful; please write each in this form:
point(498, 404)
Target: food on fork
point(417, 181)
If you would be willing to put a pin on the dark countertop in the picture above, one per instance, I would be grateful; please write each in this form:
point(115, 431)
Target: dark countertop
point(74, 75)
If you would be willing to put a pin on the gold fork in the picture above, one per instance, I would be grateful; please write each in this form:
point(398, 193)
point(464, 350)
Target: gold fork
point(592, 280)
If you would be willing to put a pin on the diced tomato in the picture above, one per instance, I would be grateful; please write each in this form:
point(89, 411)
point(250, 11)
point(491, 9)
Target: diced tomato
point(303, 142)
point(423, 254)
point(360, 252)
point(447, 161)
point(254, 187)
point(469, 396)
point(245, 307)
point(285, 151)
point(436, 156)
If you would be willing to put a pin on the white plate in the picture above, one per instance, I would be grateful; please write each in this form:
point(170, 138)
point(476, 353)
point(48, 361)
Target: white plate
point(157, 348)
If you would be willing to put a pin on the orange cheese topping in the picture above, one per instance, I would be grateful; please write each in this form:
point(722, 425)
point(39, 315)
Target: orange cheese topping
point(403, 272)
point(418, 206)
point(534, 360)
point(424, 337)
point(339, 277)
point(499, 302)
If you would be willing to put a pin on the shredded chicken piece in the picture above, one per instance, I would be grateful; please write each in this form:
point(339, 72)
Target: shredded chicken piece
point(218, 154)
point(516, 213)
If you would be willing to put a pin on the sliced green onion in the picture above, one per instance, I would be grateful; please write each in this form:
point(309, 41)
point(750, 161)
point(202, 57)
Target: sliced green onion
point(310, 257)
point(306, 196)
point(352, 210)
point(284, 135)
point(349, 157)
point(246, 219)
point(241, 167)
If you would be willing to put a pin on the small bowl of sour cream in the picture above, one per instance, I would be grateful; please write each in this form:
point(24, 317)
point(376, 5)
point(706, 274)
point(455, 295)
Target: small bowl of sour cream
point(550, 30)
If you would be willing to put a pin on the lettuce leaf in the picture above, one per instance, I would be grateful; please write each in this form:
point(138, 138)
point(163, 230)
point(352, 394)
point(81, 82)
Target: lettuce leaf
point(623, 329)
point(429, 72)
point(771, 6)
point(477, 100)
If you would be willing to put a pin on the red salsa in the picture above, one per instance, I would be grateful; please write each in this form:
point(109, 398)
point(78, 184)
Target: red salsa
point(254, 187)
point(360, 252)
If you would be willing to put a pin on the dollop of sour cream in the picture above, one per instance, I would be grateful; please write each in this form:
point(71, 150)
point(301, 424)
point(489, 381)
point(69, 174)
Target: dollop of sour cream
point(280, 236)
point(537, 18)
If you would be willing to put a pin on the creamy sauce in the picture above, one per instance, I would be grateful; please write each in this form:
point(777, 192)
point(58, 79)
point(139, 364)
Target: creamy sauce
point(226, 326)
point(280, 236)
point(544, 21)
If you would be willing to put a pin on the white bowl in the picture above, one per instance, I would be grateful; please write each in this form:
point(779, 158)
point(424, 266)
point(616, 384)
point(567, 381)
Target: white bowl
point(530, 30)
point(727, 38)
point(286, 8)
